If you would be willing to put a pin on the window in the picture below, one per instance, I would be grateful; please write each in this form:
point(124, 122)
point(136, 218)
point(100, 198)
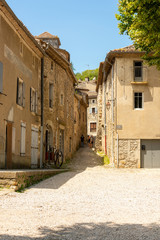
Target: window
point(93, 100)
point(33, 100)
point(52, 65)
point(92, 127)
point(138, 100)
point(62, 99)
point(1, 77)
point(23, 140)
point(138, 71)
point(93, 110)
point(51, 95)
point(20, 99)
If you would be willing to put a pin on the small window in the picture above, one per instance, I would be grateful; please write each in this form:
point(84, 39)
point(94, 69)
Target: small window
point(93, 110)
point(93, 101)
point(138, 71)
point(20, 99)
point(138, 100)
point(33, 100)
point(51, 95)
point(62, 99)
point(92, 127)
point(21, 48)
point(51, 65)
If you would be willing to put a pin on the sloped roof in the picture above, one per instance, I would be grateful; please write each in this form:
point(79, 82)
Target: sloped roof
point(130, 48)
point(48, 35)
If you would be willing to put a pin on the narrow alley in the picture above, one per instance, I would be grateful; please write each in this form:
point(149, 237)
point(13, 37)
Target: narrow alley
point(88, 202)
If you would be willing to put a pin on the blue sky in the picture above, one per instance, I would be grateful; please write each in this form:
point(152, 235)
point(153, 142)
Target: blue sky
point(87, 28)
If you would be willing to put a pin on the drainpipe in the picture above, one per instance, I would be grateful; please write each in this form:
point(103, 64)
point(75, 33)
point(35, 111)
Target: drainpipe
point(42, 83)
point(117, 150)
point(112, 100)
point(105, 125)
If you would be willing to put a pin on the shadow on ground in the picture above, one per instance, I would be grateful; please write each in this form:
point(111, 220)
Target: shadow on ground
point(92, 231)
point(84, 158)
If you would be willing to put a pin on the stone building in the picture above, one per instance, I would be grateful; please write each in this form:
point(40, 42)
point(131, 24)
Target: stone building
point(58, 92)
point(37, 96)
point(92, 110)
point(20, 77)
point(129, 95)
point(80, 117)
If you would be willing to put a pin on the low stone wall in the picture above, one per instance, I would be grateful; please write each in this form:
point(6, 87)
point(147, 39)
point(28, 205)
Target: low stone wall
point(20, 179)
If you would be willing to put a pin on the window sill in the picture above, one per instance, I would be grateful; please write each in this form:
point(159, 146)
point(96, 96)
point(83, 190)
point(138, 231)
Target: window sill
point(139, 83)
point(138, 109)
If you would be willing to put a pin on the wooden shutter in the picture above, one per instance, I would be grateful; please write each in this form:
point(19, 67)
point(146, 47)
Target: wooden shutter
point(31, 99)
point(23, 139)
point(1, 77)
point(17, 97)
point(36, 102)
point(23, 94)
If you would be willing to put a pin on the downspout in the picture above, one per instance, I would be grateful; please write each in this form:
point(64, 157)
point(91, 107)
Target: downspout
point(42, 84)
point(112, 101)
point(105, 125)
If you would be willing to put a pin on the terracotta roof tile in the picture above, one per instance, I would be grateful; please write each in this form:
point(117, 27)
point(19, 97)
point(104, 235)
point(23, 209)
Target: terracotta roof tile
point(46, 35)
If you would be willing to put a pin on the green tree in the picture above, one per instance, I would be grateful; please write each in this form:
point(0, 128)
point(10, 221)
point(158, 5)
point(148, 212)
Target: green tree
point(140, 19)
point(87, 74)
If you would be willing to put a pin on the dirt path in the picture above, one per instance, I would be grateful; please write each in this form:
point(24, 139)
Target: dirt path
point(89, 202)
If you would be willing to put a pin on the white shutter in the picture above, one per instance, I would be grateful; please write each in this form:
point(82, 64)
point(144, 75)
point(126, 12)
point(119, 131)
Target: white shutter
point(34, 148)
point(96, 110)
point(13, 139)
point(90, 110)
point(23, 139)
point(1, 77)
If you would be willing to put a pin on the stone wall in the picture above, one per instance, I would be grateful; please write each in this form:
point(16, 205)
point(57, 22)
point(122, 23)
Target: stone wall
point(98, 143)
point(129, 153)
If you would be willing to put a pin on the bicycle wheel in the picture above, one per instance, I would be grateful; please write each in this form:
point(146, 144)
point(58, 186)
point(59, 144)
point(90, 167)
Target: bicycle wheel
point(59, 159)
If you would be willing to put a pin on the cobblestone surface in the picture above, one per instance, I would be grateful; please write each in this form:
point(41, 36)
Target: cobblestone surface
point(89, 202)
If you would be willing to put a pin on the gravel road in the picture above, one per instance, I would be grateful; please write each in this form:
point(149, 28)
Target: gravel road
point(88, 202)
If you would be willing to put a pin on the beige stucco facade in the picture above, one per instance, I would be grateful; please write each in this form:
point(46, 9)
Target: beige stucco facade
point(37, 96)
point(127, 125)
point(17, 51)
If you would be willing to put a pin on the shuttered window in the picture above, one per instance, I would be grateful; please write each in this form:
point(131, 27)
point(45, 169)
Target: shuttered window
point(23, 139)
point(1, 77)
point(20, 98)
point(92, 127)
point(33, 100)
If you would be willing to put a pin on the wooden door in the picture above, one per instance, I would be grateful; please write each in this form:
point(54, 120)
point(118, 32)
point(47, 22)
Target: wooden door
point(9, 145)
